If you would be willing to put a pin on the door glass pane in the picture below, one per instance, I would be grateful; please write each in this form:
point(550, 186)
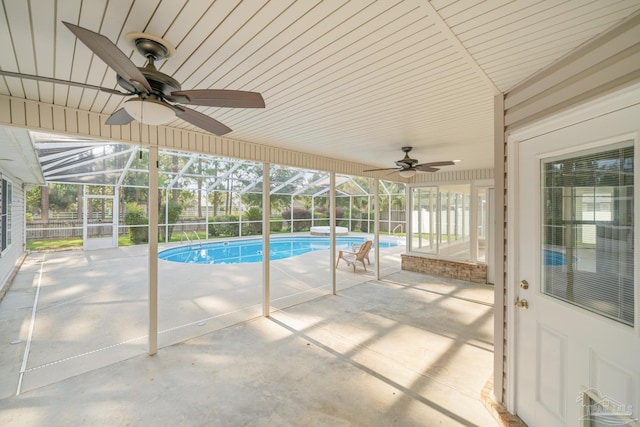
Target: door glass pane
point(587, 231)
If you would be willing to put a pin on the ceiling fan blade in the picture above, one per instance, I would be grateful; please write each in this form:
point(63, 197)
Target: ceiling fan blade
point(110, 54)
point(426, 168)
point(221, 98)
point(443, 163)
point(62, 82)
point(202, 121)
point(120, 117)
point(383, 169)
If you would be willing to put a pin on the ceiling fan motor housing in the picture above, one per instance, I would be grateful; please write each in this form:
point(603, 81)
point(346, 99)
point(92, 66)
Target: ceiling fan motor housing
point(154, 49)
point(160, 82)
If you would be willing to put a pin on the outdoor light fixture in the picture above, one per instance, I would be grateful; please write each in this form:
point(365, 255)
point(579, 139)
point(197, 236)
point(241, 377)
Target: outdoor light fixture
point(408, 173)
point(149, 111)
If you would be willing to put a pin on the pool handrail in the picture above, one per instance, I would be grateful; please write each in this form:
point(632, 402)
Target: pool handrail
point(197, 237)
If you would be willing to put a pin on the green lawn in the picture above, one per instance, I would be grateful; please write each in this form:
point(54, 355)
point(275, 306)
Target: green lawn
point(39, 245)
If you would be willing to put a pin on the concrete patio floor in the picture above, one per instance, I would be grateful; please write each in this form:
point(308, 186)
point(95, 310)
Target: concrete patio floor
point(406, 350)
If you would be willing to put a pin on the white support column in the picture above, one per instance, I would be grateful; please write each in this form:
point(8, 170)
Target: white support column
point(266, 230)
point(497, 229)
point(85, 218)
point(376, 225)
point(153, 250)
point(166, 215)
point(389, 230)
point(291, 215)
point(116, 215)
point(473, 223)
point(332, 230)
point(206, 215)
point(419, 214)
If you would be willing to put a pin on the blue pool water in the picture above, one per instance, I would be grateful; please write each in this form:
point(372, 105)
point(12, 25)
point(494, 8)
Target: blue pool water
point(555, 257)
point(241, 251)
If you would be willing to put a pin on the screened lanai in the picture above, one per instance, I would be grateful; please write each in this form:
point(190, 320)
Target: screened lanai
point(208, 189)
point(204, 203)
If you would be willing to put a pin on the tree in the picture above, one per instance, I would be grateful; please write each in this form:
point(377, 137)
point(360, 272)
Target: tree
point(34, 200)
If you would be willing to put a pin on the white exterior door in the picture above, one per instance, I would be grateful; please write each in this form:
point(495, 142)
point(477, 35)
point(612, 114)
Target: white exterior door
point(576, 318)
point(100, 222)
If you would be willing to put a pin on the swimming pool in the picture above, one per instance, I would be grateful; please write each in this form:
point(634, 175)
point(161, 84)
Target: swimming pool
point(555, 258)
point(241, 251)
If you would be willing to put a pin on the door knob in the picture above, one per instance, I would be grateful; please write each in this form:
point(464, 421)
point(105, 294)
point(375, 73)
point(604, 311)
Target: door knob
point(523, 304)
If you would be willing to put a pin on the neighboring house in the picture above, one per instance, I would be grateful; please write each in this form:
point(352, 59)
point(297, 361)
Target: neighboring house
point(19, 169)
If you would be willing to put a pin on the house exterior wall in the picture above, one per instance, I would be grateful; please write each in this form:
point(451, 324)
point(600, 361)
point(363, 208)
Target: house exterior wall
point(12, 255)
point(453, 176)
point(606, 64)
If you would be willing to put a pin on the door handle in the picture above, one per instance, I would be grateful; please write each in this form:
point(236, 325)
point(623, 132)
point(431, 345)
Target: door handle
point(523, 304)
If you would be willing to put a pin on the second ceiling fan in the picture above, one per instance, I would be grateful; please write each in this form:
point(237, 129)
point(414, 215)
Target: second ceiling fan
point(407, 167)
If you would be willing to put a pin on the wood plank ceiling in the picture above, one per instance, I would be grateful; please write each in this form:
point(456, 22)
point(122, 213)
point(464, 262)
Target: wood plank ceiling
point(354, 80)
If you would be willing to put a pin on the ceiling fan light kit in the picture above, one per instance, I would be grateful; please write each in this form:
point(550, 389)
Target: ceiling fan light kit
point(149, 111)
point(409, 173)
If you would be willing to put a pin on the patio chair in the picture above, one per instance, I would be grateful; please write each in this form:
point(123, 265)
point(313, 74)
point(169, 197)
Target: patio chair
point(351, 257)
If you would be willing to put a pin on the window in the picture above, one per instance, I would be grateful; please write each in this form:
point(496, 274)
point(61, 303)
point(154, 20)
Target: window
point(441, 221)
point(5, 211)
point(588, 231)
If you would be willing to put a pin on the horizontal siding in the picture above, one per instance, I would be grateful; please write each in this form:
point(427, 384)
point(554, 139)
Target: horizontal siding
point(454, 176)
point(608, 63)
point(13, 254)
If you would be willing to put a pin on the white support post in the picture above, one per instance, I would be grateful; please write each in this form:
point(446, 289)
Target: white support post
point(206, 215)
point(376, 225)
point(116, 215)
point(498, 232)
point(473, 223)
point(389, 230)
point(266, 230)
point(332, 230)
point(419, 214)
point(408, 218)
point(166, 216)
point(350, 212)
point(153, 250)
point(369, 213)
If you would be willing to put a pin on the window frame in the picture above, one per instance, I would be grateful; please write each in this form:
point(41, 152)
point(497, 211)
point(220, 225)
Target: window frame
point(470, 210)
point(6, 214)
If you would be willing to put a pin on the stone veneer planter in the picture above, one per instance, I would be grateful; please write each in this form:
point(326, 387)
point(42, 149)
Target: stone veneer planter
point(461, 270)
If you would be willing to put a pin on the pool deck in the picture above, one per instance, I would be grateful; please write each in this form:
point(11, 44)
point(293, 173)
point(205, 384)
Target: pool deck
point(402, 350)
